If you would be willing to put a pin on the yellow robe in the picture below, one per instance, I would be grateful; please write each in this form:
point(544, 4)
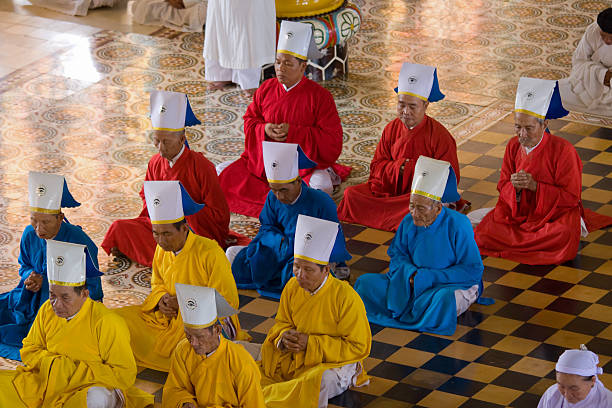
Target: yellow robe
point(63, 359)
point(228, 378)
point(201, 262)
point(338, 334)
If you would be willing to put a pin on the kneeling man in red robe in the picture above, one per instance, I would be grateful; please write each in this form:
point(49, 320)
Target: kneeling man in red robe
point(539, 216)
point(383, 201)
point(289, 108)
point(170, 113)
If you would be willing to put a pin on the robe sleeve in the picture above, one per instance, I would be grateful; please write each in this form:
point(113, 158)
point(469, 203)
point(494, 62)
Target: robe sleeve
point(26, 265)
point(118, 367)
point(178, 389)
point(270, 235)
point(353, 343)
point(148, 177)
point(506, 204)
point(34, 345)
point(467, 268)
point(254, 132)
point(248, 385)
point(322, 142)
point(270, 354)
point(401, 268)
point(211, 194)
point(385, 172)
point(158, 289)
point(583, 67)
point(220, 275)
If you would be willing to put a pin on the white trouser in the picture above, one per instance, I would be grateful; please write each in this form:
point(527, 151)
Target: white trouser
point(465, 297)
point(222, 166)
point(100, 397)
point(335, 381)
point(246, 78)
point(232, 252)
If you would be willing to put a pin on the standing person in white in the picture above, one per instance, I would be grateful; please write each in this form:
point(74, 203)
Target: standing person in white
point(239, 38)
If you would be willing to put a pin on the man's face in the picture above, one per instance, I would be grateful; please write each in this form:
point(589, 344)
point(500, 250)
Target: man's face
point(168, 143)
point(204, 340)
point(287, 193)
point(46, 225)
point(169, 238)
point(606, 37)
point(424, 210)
point(528, 130)
point(289, 69)
point(411, 110)
point(65, 301)
point(573, 387)
point(309, 274)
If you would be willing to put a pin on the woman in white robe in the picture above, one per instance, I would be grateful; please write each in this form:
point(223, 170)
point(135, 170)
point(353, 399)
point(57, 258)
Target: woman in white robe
point(189, 15)
point(240, 37)
point(577, 383)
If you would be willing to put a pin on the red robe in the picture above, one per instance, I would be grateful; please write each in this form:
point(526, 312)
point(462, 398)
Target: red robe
point(314, 124)
point(544, 227)
point(383, 201)
point(134, 237)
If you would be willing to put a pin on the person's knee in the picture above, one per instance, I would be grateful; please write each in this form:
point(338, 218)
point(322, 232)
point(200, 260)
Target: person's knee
point(100, 397)
point(232, 252)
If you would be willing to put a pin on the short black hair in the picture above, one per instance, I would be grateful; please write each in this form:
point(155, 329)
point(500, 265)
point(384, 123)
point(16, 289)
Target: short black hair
point(587, 377)
point(178, 224)
point(79, 289)
point(604, 20)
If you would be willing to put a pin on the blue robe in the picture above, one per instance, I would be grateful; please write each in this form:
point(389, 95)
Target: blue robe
point(18, 307)
point(267, 263)
point(446, 258)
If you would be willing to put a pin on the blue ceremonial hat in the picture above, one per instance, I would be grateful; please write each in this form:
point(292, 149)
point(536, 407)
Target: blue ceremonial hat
point(420, 81)
point(451, 194)
point(540, 98)
point(68, 200)
point(90, 267)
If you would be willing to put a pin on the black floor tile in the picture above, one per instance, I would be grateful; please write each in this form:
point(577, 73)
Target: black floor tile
point(517, 312)
point(489, 162)
point(481, 338)
point(570, 137)
point(431, 344)
point(599, 346)
point(598, 280)
point(350, 230)
point(501, 292)
point(606, 300)
point(382, 350)
point(535, 270)
point(596, 168)
point(547, 352)
point(556, 124)
point(588, 263)
point(360, 247)
point(586, 326)
point(249, 320)
point(476, 147)
point(474, 403)
point(603, 133)
point(491, 274)
point(158, 377)
point(604, 184)
point(461, 386)
point(551, 287)
point(606, 238)
point(569, 306)
point(391, 371)
point(375, 328)
point(244, 300)
point(516, 381)
point(586, 154)
point(471, 318)
point(446, 365)
point(257, 337)
point(466, 182)
point(499, 358)
point(406, 392)
point(493, 177)
point(526, 400)
point(370, 265)
point(534, 332)
point(352, 399)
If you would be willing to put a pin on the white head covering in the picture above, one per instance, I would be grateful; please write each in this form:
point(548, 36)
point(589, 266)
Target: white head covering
point(540, 98)
point(201, 306)
point(168, 202)
point(45, 192)
point(171, 111)
point(432, 179)
point(66, 264)
point(296, 39)
point(314, 239)
point(282, 161)
point(420, 81)
point(579, 362)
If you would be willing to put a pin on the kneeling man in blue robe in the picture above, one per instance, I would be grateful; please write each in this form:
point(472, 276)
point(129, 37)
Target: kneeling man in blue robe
point(436, 270)
point(48, 193)
point(266, 264)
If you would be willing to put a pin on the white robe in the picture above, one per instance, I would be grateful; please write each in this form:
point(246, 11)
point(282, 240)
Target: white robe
point(584, 90)
point(598, 397)
point(240, 34)
point(160, 13)
point(74, 7)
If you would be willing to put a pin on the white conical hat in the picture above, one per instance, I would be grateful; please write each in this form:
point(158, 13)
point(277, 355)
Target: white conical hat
point(201, 306)
point(66, 263)
point(533, 96)
point(280, 161)
point(296, 39)
point(430, 177)
point(45, 192)
point(314, 239)
point(168, 110)
point(164, 201)
point(416, 80)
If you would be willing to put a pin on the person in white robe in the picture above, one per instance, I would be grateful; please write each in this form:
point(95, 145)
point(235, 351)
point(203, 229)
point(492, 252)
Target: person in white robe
point(588, 87)
point(240, 37)
point(577, 383)
point(74, 7)
point(180, 15)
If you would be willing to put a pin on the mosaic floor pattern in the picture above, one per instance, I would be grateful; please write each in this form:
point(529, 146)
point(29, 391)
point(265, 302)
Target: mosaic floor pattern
point(82, 112)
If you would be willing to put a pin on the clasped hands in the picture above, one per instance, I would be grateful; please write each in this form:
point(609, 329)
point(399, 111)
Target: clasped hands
point(33, 283)
point(277, 132)
point(523, 180)
point(168, 305)
point(294, 341)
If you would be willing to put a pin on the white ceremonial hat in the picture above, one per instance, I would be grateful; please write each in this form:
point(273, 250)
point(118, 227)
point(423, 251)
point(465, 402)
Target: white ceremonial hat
point(435, 179)
point(282, 161)
point(201, 306)
point(48, 193)
point(579, 362)
point(296, 39)
point(420, 81)
point(314, 239)
point(171, 111)
point(540, 98)
point(66, 263)
point(168, 202)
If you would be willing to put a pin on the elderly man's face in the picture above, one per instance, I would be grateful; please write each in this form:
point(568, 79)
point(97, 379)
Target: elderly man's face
point(66, 301)
point(46, 225)
point(424, 210)
point(606, 37)
point(309, 274)
point(289, 69)
point(528, 129)
point(574, 388)
point(168, 143)
point(287, 193)
point(204, 340)
point(411, 110)
point(169, 238)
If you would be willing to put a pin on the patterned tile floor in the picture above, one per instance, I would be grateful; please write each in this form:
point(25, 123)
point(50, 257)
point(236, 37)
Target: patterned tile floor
point(81, 111)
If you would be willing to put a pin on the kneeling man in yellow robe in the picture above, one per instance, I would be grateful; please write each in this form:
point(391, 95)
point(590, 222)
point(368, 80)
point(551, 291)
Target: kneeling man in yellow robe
point(206, 369)
point(316, 348)
point(180, 257)
point(77, 353)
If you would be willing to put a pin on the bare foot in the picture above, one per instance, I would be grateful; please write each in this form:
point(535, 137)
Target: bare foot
point(217, 85)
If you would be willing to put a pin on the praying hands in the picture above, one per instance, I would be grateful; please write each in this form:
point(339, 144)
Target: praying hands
point(523, 180)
